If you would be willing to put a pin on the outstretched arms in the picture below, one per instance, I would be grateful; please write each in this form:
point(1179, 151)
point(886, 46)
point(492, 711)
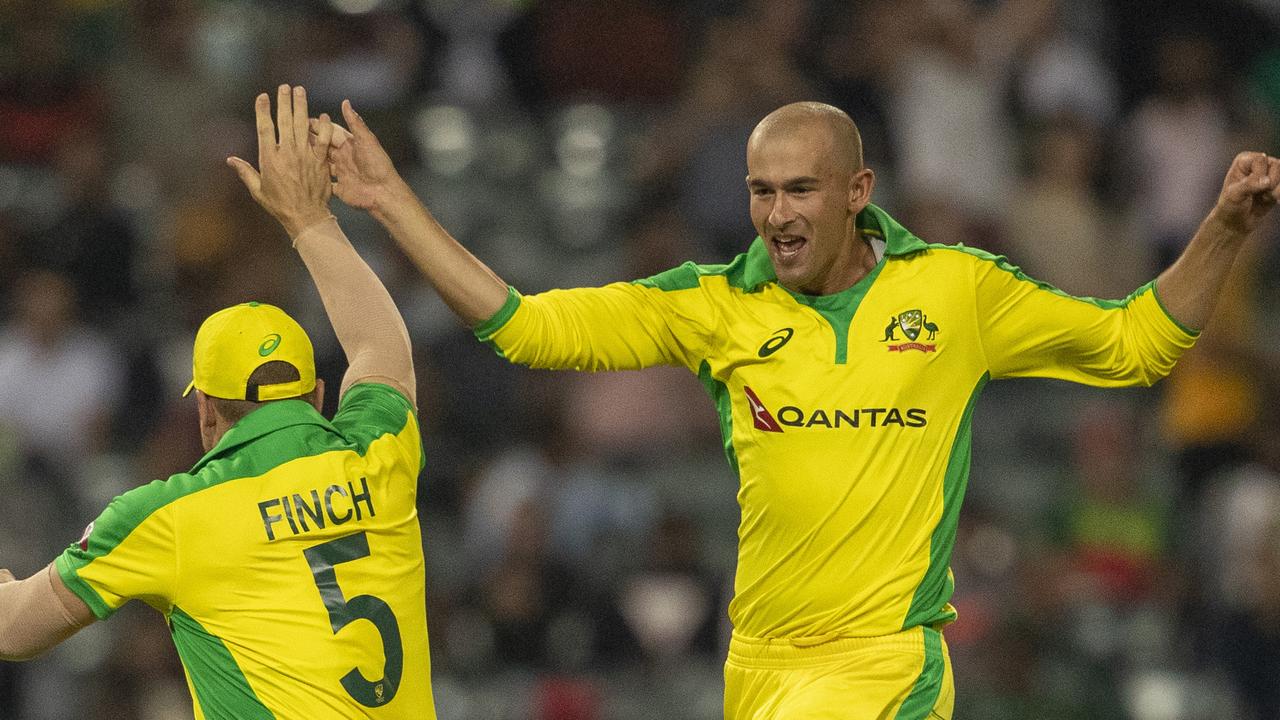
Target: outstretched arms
point(366, 179)
point(37, 613)
point(1191, 286)
point(292, 183)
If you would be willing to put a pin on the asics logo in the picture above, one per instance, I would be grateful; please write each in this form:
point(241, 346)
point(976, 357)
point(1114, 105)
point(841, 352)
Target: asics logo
point(269, 345)
point(775, 343)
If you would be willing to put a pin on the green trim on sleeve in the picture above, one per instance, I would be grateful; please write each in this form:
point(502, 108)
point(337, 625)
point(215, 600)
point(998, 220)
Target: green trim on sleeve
point(80, 588)
point(928, 604)
point(1155, 293)
point(220, 686)
point(485, 330)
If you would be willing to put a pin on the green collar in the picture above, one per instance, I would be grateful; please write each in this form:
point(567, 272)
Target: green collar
point(272, 416)
point(873, 221)
point(897, 239)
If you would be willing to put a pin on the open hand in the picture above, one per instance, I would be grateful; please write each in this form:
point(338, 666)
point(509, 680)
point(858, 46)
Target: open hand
point(292, 180)
point(363, 174)
point(1250, 190)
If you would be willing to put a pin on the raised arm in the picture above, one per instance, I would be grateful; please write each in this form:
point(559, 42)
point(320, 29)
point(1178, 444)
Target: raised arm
point(1191, 286)
point(37, 613)
point(366, 179)
point(293, 184)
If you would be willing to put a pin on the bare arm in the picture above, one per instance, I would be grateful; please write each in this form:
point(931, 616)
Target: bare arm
point(37, 614)
point(293, 184)
point(366, 179)
point(1190, 287)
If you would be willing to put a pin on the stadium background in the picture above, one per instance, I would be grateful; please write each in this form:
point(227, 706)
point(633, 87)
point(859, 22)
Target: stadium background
point(1119, 554)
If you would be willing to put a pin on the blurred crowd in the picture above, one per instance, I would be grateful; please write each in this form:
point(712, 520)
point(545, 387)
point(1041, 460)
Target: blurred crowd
point(1119, 552)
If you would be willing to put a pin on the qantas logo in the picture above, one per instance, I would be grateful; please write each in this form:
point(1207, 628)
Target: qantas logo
point(797, 417)
point(84, 539)
point(760, 414)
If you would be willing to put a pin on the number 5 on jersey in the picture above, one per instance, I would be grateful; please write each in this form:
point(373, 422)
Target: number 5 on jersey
point(342, 612)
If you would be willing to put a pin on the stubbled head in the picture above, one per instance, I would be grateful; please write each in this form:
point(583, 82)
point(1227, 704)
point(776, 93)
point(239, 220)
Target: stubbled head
point(807, 184)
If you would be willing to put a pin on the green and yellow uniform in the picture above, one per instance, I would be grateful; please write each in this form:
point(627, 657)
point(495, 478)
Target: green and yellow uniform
point(847, 416)
point(288, 562)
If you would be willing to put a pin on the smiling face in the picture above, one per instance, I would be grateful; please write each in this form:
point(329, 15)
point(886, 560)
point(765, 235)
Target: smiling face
point(807, 186)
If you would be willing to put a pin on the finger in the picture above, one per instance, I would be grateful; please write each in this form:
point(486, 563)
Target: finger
point(323, 136)
point(355, 122)
point(284, 114)
point(266, 131)
point(1258, 166)
point(299, 128)
point(6, 576)
point(250, 177)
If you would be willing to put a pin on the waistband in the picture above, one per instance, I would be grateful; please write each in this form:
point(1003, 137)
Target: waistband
point(767, 653)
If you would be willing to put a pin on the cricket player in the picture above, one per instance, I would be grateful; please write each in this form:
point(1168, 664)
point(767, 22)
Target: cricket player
point(844, 356)
point(288, 562)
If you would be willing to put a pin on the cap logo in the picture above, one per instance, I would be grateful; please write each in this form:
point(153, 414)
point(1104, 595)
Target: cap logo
point(269, 345)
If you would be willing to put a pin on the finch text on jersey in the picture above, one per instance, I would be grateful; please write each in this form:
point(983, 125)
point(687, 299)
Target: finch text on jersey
point(297, 509)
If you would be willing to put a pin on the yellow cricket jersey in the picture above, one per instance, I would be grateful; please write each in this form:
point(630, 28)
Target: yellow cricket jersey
point(846, 416)
point(288, 563)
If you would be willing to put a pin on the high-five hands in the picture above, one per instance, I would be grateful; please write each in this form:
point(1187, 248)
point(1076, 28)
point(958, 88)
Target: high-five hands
point(292, 181)
point(364, 176)
point(1249, 191)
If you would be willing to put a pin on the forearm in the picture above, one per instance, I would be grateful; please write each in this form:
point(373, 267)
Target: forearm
point(1189, 288)
point(35, 616)
point(468, 286)
point(365, 319)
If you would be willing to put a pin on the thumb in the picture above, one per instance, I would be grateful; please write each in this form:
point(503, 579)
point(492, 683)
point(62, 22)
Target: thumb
point(250, 177)
point(355, 122)
point(6, 576)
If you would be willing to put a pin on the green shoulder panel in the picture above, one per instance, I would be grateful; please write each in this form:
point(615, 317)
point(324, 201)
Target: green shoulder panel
point(1002, 262)
point(746, 272)
point(221, 689)
point(370, 410)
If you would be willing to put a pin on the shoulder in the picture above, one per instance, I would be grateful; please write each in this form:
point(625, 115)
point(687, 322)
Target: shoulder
point(369, 410)
point(747, 272)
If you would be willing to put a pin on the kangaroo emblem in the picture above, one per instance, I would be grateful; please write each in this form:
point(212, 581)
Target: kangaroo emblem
point(888, 331)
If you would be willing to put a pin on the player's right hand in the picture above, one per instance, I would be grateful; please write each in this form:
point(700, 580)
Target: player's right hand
point(1249, 191)
point(363, 174)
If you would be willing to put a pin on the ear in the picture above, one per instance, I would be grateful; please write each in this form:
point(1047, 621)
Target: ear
point(861, 184)
point(317, 396)
point(208, 421)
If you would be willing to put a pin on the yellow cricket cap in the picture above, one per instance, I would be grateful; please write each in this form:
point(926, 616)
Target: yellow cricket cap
point(232, 343)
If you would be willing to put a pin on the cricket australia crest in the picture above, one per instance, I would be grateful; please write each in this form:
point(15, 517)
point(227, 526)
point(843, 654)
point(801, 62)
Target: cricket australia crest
point(912, 323)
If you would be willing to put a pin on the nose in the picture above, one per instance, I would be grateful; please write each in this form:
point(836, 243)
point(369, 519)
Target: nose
point(781, 214)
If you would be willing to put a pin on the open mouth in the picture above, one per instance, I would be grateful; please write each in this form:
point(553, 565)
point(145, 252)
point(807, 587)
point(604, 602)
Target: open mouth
point(788, 246)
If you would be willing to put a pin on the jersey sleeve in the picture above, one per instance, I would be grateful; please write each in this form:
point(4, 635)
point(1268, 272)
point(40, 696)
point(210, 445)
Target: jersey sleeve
point(1031, 329)
point(370, 410)
point(127, 553)
point(621, 326)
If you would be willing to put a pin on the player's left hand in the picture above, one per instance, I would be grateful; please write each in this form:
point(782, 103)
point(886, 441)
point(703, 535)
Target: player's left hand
point(292, 180)
point(1249, 191)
